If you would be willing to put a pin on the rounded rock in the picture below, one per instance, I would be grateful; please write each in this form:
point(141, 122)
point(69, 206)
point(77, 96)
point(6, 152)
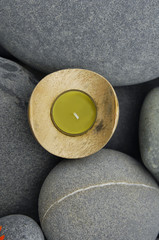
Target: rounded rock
point(23, 163)
point(108, 195)
point(117, 39)
point(20, 227)
point(149, 132)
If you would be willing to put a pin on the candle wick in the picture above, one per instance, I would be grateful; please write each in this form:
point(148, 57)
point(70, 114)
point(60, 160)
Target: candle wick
point(76, 116)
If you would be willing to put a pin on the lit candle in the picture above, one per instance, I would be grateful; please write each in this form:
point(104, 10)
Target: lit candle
point(73, 112)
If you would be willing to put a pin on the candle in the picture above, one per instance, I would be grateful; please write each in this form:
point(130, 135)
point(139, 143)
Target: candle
point(73, 112)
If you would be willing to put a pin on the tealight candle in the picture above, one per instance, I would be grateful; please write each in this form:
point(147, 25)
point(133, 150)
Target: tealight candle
point(73, 112)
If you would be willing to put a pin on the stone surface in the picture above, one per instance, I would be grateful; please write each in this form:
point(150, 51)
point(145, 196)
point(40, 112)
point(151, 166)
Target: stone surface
point(125, 138)
point(118, 39)
point(20, 227)
point(24, 164)
point(5, 54)
point(108, 195)
point(149, 132)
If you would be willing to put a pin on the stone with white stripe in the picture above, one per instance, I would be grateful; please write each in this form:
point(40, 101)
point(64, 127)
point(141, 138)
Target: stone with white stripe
point(108, 195)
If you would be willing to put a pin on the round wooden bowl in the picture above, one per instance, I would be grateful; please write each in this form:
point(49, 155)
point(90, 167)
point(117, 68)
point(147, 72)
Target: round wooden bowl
point(47, 91)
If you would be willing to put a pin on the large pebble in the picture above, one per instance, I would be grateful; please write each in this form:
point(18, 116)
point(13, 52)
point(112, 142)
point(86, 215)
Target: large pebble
point(108, 195)
point(24, 164)
point(118, 39)
point(20, 227)
point(149, 132)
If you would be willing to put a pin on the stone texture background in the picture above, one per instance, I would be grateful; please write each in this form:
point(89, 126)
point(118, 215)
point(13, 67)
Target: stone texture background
point(20, 227)
point(68, 207)
point(122, 45)
point(149, 132)
point(126, 136)
point(24, 164)
point(118, 39)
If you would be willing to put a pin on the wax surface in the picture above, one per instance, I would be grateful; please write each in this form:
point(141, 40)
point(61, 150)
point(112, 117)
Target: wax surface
point(73, 112)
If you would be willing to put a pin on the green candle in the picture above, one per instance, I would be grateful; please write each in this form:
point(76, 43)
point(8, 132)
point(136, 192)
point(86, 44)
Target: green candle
point(73, 112)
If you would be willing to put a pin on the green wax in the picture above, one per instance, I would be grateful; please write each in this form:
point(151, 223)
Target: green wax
point(73, 112)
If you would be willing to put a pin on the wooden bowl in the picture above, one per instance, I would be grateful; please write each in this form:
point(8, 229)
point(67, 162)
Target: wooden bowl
point(46, 133)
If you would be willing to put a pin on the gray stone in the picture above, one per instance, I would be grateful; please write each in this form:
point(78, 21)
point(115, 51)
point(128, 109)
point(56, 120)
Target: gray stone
point(118, 39)
point(130, 102)
point(24, 164)
point(108, 195)
point(20, 227)
point(149, 132)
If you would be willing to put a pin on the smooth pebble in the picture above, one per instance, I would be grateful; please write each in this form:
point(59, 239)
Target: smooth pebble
point(108, 195)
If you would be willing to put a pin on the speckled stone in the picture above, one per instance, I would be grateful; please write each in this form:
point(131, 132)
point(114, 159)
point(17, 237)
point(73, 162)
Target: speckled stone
point(108, 195)
point(149, 132)
point(24, 164)
point(20, 227)
point(118, 39)
point(130, 102)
